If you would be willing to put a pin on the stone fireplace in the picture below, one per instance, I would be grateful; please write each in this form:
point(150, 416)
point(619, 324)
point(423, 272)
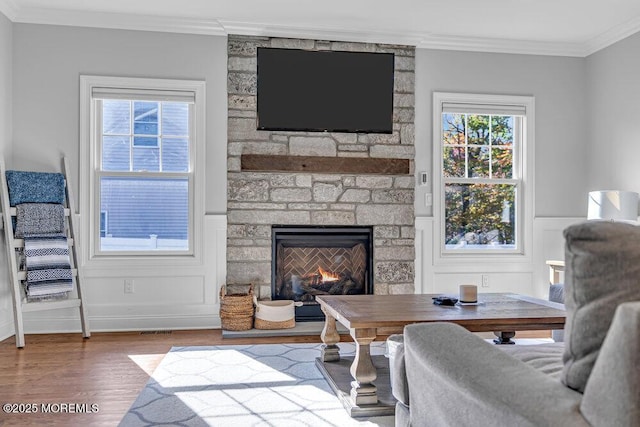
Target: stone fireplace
point(310, 261)
point(358, 180)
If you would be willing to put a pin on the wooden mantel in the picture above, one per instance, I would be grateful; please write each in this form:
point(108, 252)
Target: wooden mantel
point(317, 164)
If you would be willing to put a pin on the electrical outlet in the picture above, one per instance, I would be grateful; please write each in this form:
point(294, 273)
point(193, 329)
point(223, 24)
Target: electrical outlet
point(128, 286)
point(485, 280)
point(428, 199)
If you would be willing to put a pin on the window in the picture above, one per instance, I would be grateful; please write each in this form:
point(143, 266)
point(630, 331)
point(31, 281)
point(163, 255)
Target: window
point(481, 157)
point(143, 138)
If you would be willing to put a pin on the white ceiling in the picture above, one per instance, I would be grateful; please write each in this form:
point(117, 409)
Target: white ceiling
point(552, 27)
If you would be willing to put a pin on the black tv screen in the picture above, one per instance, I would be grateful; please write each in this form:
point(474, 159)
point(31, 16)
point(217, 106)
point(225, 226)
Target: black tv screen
point(301, 90)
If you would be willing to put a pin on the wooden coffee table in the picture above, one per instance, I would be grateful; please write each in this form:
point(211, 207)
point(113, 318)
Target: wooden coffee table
point(365, 392)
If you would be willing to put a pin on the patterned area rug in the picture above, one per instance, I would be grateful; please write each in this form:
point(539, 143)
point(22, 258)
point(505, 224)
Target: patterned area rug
point(243, 385)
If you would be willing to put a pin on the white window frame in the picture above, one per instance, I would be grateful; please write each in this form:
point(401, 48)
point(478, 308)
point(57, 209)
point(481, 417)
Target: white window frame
point(90, 158)
point(523, 158)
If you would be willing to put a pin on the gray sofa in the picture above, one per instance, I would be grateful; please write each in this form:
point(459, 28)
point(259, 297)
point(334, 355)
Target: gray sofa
point(443, 375)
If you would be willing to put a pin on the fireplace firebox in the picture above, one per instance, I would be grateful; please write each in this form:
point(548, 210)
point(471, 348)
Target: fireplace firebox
point(308, 261)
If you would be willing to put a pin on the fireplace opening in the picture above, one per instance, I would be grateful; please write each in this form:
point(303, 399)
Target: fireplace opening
point(308, 261)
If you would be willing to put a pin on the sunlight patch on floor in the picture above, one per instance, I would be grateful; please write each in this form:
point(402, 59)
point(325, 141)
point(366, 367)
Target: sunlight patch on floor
point(147, 362)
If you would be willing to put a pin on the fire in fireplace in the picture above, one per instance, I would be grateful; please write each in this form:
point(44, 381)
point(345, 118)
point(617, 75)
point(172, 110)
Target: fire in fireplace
point(311, 261)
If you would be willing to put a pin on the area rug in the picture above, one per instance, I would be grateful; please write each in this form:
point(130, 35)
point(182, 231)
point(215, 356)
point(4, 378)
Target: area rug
point(243, 385)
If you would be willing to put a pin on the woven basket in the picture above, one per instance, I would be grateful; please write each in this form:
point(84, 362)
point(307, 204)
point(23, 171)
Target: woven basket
point(266, 324)
point(236, 310)
point(278, 314)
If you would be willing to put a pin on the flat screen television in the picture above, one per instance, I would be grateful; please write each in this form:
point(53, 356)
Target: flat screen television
point(325, 91)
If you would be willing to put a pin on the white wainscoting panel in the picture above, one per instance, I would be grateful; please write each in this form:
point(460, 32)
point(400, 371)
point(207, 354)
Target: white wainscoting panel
point(528, 278)
point(166, 295)
point(520, 283)
point(549, 243)
point(174, 297)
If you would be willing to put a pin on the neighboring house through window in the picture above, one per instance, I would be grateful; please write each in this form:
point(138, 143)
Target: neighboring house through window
point(144, 177)
point(482, 157)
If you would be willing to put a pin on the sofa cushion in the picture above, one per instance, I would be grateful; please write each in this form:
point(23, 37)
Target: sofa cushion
point(546, 358)
point(612, 394)
point(602, 270)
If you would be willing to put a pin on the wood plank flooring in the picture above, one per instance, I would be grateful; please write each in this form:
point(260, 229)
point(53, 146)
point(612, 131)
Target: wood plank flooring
point(109, 370)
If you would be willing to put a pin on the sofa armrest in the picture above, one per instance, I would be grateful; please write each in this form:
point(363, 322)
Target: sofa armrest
point(612, 393)
point(456, 378)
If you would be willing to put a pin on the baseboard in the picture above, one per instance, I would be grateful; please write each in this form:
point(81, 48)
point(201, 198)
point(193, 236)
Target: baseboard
point(7, 330)
point(121, 324)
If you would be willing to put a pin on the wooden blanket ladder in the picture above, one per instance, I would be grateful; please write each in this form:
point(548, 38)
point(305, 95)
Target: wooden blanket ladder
point(13, 246)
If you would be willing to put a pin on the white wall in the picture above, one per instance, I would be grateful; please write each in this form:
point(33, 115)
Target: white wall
point(47, 63)
point(559, 87)
point(6, 49)
point(613, 78)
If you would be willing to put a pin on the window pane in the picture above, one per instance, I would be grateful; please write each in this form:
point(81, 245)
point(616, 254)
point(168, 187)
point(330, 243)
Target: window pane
point(502, 163)
point(478, 129)
point(116, 117)
point(478, 162)
point(454, 162)
point(115, 153)
point(480, 216)
point(144, 214)
point(175, 118)
point(146, 159)
point(142, 128)
point(145, 112)
point(453, 128)
point(175, 155)
point(145, 141)
point(502, 130)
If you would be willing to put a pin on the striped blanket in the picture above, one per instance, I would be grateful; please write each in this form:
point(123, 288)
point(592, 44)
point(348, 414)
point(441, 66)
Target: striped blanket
point(46, 251)
point(48, 265)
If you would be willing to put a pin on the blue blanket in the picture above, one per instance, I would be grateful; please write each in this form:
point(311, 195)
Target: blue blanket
point(35, 187)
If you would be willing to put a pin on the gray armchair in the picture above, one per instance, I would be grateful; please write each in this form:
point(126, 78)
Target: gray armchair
point(556, 294)
point(444, 375)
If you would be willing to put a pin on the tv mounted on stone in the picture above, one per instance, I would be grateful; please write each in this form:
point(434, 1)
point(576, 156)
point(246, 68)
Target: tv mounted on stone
point(324, 91)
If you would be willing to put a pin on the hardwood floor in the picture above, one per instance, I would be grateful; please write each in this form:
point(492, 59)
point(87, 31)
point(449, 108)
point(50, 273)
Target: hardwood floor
point(108, 370)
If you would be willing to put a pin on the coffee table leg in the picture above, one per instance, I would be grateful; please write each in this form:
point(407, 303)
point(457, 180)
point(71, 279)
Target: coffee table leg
point(504, 337)
point(363, 392)
point(330, 337)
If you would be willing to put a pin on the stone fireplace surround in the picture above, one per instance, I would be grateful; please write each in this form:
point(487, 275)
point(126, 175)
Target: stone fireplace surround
point(256, 200)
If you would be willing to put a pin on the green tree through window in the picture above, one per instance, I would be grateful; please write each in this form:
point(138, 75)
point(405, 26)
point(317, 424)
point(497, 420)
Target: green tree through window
point(478, 177)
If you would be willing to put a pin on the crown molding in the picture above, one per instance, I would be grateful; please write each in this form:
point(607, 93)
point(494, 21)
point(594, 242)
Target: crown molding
point(522, 47)
point(122, 21)
point(319, 33)
point(9, 9)
point(225, 27)
point(612, 36)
